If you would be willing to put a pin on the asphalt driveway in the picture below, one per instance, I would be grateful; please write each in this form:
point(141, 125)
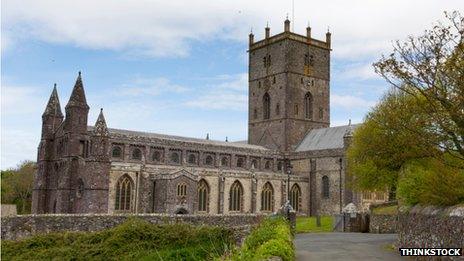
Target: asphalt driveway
point(345, 246)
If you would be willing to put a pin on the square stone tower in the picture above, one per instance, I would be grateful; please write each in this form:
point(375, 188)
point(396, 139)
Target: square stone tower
point(289, 88)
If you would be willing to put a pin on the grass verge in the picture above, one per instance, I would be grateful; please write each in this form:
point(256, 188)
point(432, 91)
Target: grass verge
point(308, 224)
point(273, 237)
point(388, 210)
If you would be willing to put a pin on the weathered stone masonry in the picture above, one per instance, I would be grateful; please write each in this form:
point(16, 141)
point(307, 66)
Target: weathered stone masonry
point(431, 227)
point(96, 169)
point(18, 227)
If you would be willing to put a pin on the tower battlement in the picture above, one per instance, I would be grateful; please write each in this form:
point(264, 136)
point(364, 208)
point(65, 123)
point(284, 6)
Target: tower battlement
point(289, 87)
point(287, 34)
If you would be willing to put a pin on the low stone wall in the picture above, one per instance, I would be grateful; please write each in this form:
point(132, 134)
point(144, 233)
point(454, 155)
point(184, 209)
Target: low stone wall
point(431, 227)
point(22, 226)
point(383, 224)
point(8, 210)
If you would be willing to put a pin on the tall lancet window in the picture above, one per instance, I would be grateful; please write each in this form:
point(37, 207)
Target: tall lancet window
point(308, 101)
point(325, 187)
point(123, 201)
point(236, 197)
point(267, 198)
point(203, 196)
point(295, 197)
point(266, 106)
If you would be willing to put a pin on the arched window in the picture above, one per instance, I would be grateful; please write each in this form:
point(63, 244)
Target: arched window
point(175, 157)
point(224, 162)
point(236, 197)
point(124, 194)
point(254, 164)
point(156, 156)
point(267, 165)
point(203, 196)
point(116, 152)
point(137, 154)
point(295, 197)
point(308, 102)
point(80, 188)
point(209, 160)
point(240, 162)
point(192, 159)
point(267, 197)
point(279, 166)
point(255, 114)
point(325, 187)
point(181, 190)
point(266, 106)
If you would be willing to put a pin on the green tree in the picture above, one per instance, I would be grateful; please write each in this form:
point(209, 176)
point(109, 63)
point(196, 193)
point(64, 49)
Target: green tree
point(17, 184)
point(393, 133)
point(431, 181)
point(413, 139)
point(431, 68)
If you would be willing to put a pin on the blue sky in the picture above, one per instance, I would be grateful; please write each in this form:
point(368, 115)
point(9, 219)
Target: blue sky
point(180, 67)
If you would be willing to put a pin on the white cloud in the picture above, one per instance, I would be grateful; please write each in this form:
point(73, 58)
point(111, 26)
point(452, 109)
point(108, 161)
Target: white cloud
point(350, 102)
point(166, 28)
point(230, 92)
point(20, 100)
point(149, 86)
point(358, 71)
point(18, 145)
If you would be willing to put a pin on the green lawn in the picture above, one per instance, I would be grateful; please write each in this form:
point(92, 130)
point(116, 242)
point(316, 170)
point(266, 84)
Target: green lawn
point(308, 224)
point(388, 210)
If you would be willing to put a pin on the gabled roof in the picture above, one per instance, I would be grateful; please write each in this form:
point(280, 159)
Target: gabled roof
point(325, 138)
point(150, 135)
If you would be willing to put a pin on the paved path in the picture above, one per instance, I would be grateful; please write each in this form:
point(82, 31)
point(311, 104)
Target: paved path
point(345, 246)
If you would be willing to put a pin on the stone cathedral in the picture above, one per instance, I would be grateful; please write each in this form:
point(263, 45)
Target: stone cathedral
point(291, 153)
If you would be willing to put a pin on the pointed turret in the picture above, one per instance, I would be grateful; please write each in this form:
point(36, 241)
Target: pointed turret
point(53, 106)
point(100, 128)
point(100, 138)
point(77, 109)
point(52, 116)
point(78, 95)
point(348, 136)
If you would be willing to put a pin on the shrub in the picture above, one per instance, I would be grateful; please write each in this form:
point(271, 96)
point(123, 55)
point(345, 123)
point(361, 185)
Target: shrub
point(273, 237)
point(432, 182)
point(134, 239)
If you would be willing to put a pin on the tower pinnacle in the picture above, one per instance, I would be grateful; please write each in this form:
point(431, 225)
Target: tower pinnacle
point(101, 128)
point(78, 95)
point(53, 106)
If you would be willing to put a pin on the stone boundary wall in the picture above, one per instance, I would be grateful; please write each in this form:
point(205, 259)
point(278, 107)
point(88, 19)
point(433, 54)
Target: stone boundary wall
point(431, 227)
point(383, 224)
point(22, 226)
point(8, 210)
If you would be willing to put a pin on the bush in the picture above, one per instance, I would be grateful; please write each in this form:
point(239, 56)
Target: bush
point(134, 239)
point(432, 182)
point(273, 237)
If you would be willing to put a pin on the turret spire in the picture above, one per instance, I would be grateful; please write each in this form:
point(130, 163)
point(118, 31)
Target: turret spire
point(100, 126)
point(53, 106)
point(78, 95)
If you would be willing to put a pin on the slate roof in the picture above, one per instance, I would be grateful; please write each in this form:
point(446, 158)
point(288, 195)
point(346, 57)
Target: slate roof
point(325, 138)
point(183, 139)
